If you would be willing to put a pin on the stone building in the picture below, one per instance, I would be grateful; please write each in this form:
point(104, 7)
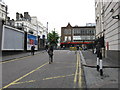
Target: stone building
point(3, 10)
point(108, 26)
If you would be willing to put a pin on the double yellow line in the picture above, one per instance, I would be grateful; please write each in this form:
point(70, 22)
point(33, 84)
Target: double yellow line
point(77, 77)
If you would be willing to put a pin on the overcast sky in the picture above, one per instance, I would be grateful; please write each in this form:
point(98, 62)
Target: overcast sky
point(56, 12)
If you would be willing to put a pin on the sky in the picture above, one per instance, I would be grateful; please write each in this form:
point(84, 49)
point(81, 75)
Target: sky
point(56, 12)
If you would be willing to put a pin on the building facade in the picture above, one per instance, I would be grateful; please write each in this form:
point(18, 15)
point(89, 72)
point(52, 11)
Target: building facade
point(78, 34)
point(108, 26)
point(3, 10)
point(30, 24)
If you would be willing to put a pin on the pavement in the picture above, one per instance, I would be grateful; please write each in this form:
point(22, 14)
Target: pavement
point(15, 56)
point(93, 78)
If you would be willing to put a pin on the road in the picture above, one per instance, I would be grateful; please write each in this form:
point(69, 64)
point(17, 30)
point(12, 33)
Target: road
point(36, 72)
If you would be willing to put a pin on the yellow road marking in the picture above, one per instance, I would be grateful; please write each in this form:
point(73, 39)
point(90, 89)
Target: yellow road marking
point(17, 59)
point(58, 77)
point(76, 73)
point(25, 82)
point(79, 74)
point(65, 62)
point(77, 78)
point(44, 79)
point(12, 83)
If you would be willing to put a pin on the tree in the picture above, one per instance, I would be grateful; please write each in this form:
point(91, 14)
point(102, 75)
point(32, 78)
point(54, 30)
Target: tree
point(53, 38)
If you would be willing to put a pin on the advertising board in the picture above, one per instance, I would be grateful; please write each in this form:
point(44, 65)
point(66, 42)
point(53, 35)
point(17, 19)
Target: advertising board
point(32, 40)
point(12, 38)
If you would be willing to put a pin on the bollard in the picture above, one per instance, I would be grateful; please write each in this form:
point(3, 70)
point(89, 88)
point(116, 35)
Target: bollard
point(98, 64)
point(101, 68)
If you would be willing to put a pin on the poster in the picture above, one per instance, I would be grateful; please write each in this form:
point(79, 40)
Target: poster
point(32, 40)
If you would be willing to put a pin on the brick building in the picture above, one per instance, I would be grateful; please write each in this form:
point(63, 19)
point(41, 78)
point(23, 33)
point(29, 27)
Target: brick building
point(77, 35)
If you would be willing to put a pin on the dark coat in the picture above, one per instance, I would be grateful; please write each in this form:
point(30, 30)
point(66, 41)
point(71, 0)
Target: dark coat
point(32, 48)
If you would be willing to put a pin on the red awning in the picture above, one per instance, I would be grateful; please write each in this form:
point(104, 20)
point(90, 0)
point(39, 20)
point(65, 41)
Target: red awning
point(76, 42)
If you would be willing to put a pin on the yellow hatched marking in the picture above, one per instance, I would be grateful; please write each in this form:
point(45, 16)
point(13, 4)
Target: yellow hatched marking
point(12, 83)
point(58, 77)
point(25, 82)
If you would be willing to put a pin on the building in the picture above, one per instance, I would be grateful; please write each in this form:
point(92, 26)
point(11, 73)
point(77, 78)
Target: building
point(31, 25)
point(3, 10)
point(108, 26)
point(77, 35)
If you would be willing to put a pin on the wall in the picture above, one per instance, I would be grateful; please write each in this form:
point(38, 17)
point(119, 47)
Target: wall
point(0, 54)
point(112, 30)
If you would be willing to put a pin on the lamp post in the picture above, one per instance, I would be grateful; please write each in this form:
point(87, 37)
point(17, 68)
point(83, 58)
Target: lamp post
point(47, 32)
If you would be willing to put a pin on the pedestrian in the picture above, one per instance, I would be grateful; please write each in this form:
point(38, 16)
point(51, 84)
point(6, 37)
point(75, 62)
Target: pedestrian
point(98, 49)
point(50, 53)
point(32, 49)
point(46, 47)
point(77, 47)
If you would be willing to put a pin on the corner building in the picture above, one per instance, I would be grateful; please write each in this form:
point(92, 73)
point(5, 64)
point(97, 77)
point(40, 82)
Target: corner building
point(77, 35)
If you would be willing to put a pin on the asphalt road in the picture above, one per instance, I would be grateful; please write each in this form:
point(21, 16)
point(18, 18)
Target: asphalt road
point(36, 72)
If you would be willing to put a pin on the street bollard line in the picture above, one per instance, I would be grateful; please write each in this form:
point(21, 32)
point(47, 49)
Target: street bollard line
point(12, 83)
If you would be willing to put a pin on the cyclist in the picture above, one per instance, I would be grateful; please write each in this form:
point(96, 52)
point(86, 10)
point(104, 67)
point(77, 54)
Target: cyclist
point(50, 52)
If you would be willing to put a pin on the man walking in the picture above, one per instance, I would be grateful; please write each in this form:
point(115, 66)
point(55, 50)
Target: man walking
point(98, 50)
point(32, 49)
point(46, 47)
point(50, 52)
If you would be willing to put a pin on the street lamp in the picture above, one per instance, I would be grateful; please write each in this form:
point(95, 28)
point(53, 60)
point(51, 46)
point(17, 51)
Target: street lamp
point(47, 27)
point(47, 32)
point(116, 17)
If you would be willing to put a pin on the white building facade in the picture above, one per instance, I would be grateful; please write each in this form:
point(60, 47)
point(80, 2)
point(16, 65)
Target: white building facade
point(3, 10)
point(108, 26)
point(31, 25)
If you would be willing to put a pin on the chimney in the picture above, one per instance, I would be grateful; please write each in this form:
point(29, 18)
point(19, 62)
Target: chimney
point(17, 16)
point(21, 17)
point(26, 15)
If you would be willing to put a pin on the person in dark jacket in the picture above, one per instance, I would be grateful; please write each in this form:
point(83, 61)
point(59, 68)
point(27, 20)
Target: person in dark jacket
point(98, 49)
point(50, 52)
point(46, 47)
point(32, 49)
point(77, 47)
